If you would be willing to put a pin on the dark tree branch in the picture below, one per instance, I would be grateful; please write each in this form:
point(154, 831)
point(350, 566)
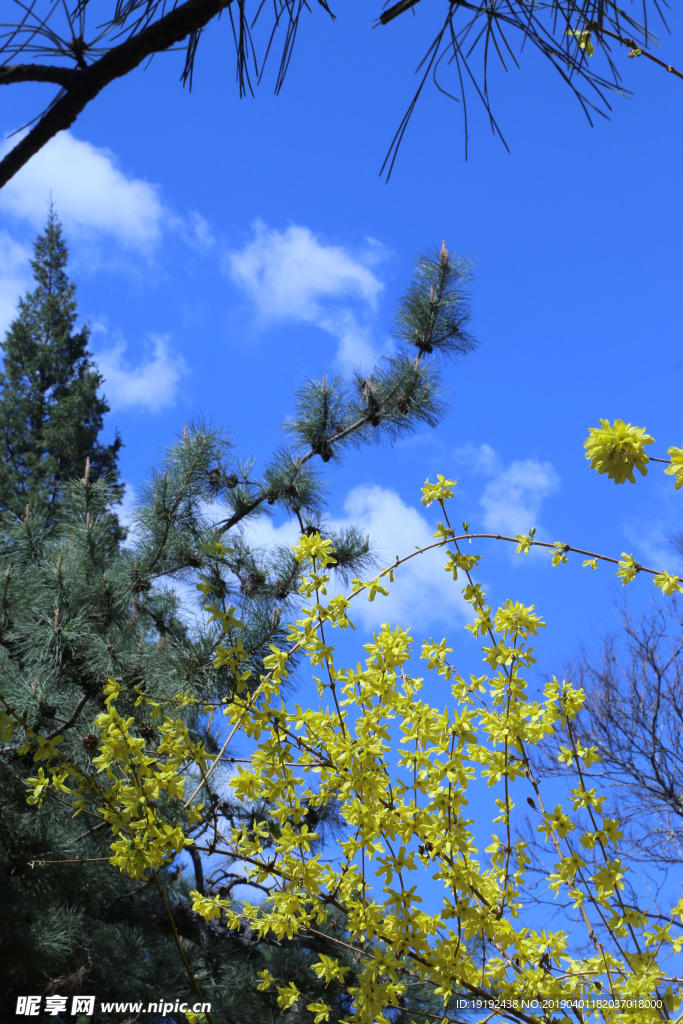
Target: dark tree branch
point(87, 82)
point(633, 714)
point(468, 29)
point(12, 73)
point(394, 11)
point(227, 524)
point(60, 729)
point(198, 871)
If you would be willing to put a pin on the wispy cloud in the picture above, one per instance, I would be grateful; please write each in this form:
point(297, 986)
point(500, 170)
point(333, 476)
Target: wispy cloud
point(652, 540)
point(91, 193)
point(479, 458)
point(197, 232)
point(125, 513)
point(512, 499)
point(151, 384)
point(293, 276)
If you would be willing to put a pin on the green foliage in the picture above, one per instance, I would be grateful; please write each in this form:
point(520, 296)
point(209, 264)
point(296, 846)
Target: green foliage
point(434, 313)
point(405, 389)
point(50, 412)
point(95, 643)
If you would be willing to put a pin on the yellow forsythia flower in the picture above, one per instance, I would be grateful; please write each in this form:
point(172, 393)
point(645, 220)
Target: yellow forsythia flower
point(616, 449)
point(668, 584)
point(439, 491)
point(321, 1011)
point(628, 568)
point(314, 547)
point(584, 40)
point(676, 467)
point(39, 784)
point(287, 995)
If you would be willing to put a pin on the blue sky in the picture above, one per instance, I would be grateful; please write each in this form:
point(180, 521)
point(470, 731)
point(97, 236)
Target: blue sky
point(226, 248)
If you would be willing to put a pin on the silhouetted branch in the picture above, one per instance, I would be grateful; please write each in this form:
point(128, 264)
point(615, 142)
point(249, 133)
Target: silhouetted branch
point(85, 83)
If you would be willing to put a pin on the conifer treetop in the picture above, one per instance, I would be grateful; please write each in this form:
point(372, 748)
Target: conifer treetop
point(50, 411)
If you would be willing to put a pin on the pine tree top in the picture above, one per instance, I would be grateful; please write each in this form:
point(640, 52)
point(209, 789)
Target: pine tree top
point(50, 411)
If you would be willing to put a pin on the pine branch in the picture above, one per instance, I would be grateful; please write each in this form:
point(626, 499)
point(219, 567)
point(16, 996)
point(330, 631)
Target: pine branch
point(190, 17)
point(13, 73)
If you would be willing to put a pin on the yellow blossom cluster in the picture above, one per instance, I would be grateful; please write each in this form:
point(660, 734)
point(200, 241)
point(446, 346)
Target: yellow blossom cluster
point(400, 758)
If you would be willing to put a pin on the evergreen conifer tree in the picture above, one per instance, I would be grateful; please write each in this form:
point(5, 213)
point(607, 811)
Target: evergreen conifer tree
point(50, 413)
point(77, 609)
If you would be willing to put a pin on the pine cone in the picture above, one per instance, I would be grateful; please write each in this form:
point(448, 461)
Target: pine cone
point(252, 583)
point(48, 710)
point(141, 585)
point(146, 730)
point(231, 481)
point(90, 742)
point(325, 451)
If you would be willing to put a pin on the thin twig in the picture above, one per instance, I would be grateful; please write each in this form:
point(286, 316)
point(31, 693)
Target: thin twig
point(636, 51)
point(190, 972)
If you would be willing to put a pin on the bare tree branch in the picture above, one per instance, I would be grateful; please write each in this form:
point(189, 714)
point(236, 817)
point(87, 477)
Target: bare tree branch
point(13, 73)
point(633, 714)
point(190, 17)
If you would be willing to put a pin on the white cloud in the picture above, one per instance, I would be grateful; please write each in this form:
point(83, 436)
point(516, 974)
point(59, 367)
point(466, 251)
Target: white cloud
point(422, 591)
point(478, 458)
point(288, 273)
point(90, 193)
point(200, 234)
point(513, 499)
point(292, 276)
point(151, 385)
point(14, 280)
point(263, 532)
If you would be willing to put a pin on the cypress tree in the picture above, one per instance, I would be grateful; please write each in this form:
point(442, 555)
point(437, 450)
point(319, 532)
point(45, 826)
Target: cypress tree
point(77, 608)
point(50, 412)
